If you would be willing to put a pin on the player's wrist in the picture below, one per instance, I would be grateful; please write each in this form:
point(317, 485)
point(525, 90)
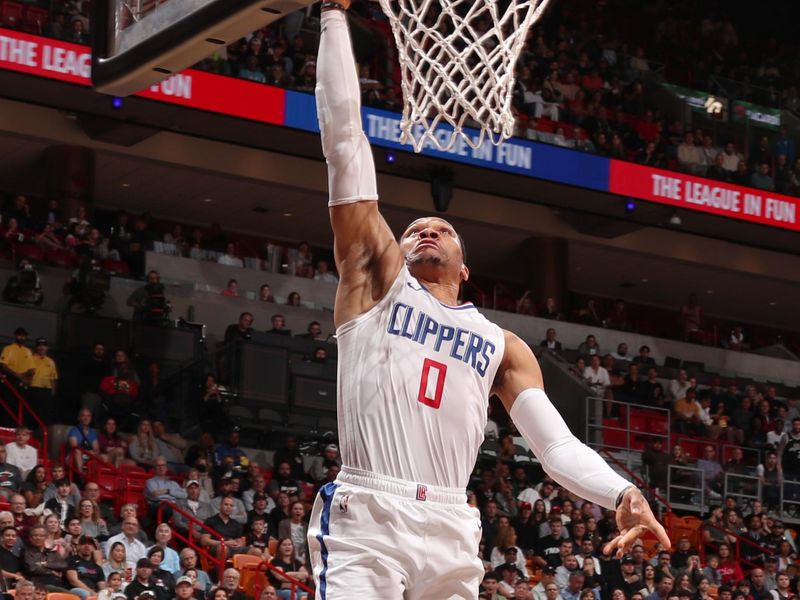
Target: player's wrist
point(622, 493)
point(330, 5)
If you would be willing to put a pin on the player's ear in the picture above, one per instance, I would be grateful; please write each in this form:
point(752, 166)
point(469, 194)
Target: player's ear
point(464, 273)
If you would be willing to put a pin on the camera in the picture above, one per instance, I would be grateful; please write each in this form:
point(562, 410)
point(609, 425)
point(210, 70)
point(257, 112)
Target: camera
point(24, 287)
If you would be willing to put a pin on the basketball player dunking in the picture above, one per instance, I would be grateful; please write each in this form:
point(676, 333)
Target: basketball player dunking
point(415, 374)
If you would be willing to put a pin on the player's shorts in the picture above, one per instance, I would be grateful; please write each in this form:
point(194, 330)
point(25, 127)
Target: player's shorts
point(372, 536)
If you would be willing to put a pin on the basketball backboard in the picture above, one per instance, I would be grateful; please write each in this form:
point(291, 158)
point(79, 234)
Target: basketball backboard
point(137, 43)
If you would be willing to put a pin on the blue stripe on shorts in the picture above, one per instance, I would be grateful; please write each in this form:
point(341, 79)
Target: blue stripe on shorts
point(327, 491)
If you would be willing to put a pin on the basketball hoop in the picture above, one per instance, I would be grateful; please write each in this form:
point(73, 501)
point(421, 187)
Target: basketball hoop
point(457, 60)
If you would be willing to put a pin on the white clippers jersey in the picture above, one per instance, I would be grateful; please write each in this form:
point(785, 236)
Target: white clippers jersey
point(414, 382)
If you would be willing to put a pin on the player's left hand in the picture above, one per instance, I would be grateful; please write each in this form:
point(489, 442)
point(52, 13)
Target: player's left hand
point(634, 517)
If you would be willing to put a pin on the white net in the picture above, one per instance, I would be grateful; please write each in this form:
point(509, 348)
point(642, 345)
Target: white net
point(457, 60)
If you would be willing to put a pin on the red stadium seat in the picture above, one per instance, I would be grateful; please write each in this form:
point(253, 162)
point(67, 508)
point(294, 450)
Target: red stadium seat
point(29, 251)
point(61, 258)
point(118, 267)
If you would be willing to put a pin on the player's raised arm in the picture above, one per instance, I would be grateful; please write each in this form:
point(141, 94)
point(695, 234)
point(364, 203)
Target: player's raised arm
point(367, 255)
point(566, 459)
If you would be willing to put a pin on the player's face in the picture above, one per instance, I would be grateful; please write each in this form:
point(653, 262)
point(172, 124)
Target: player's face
point(432, 241)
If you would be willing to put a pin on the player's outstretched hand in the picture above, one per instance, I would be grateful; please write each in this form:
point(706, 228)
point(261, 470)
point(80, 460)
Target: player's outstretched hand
point(634, 517)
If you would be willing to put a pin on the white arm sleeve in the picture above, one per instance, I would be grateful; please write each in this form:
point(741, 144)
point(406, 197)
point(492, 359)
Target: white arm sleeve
point(351, 169)
point(564, 458)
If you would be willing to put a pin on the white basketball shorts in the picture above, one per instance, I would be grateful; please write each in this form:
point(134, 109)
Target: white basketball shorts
point(372, 536)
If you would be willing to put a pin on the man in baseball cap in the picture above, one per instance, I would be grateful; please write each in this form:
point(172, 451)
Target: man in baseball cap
point(84, 575)
point(142, 585)
point(184, 588)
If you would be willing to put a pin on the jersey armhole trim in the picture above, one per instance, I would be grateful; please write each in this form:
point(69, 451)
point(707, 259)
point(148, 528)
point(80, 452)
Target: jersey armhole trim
point(402, 277)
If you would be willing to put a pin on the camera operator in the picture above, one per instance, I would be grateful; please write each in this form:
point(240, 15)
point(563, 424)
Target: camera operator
point(149, 302)
point(24, 287)
point(88, 287)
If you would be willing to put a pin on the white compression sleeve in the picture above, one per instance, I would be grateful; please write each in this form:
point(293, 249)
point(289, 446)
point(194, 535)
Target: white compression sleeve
point(565, 458)
point(351, 169)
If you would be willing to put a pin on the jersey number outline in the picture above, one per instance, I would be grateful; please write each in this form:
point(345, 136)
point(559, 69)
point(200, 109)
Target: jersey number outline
point(435, 400)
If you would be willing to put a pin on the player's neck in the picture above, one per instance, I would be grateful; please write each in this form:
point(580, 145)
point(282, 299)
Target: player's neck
point(445, 292)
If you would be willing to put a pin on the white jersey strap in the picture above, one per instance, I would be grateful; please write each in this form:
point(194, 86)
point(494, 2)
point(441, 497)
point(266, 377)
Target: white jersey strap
point(351, 169)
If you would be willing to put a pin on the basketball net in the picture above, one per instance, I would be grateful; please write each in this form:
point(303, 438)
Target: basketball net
point(457, 60)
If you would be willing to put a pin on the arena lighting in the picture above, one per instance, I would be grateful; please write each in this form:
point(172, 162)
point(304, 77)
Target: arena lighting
point(630, 207)
point(116, 103)
point(675, 220)
point(390, 158)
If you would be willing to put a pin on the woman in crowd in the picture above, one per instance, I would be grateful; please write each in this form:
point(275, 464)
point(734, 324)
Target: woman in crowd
point(161, 578)
point(648, 580)
point(91, 522)
point(506, 538)
point(171, 561)
point(113, 448)
point(54, 536)
point(34, 487)
point(143, 448)
point(118, 563)
point(285, 559)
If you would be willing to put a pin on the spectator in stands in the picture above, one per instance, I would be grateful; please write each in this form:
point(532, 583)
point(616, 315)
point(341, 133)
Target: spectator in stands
point(782, 175)
point(231, 450)
point(279, 325)
point(712, 470)
point(231, 289)
point(293, 299)
point(265, 294)
point(135, 550)
point(149, 301)
point(761, 178)
point(314, 332)
point(92, 522)
point(40, 565)
point(741, 176)
point(34, 486)
point(656, 462)
point(644, 357)
point(82, 439)
point(323, 273)
point(61, 505)
point(290, 453)
point(731, 158)
point(690, 159)
point(678, 387)
point(687, 414)
point(790, 456)
point(589, 347)
point(296, 527)
point(252, 71)
point(161, 488)
point(231, 531)
point(21, 454)
point(525, 304)
point(596, 377)
point(193, 505)
point(632, 389)
point(229, 584)
point(320, 465)
point(113, 447)
point(227, 485)
point(10, 562)
point(84, 576)
point(285, 560)
point(142, 584)
point(692, 319)
point(551, 311)
point(770, 474)
point(550, 342)
point(43, 380)
point(143, 448)
point(118, 565)
point(10, 478)
point(21, 521)
point(161, 577)
point(188, 558)
point(716, 170)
